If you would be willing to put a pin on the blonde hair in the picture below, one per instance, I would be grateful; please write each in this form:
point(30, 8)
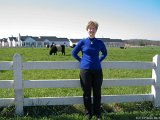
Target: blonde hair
point(93, 23)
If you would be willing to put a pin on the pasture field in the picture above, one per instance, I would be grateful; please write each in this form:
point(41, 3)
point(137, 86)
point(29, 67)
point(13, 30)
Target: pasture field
point(115, 111)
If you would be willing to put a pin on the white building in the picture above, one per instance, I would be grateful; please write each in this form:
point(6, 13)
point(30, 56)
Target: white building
point(4, 42)
point(13, 42)
point(107, 41)
point(42, 41)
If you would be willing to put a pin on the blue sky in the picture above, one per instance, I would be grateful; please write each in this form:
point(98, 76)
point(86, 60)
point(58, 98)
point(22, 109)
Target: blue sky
point(123, 19)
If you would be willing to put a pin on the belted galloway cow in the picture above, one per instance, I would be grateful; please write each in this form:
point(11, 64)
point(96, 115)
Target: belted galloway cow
point(57, 48)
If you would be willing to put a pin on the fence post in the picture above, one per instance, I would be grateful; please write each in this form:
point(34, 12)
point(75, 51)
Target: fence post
point(18, 89)
point(156, 85)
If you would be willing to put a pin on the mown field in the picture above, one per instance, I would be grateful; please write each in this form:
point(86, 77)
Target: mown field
point(114, 111)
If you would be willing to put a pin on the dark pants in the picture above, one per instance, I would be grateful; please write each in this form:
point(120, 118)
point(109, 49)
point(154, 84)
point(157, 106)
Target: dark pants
point(91, 80)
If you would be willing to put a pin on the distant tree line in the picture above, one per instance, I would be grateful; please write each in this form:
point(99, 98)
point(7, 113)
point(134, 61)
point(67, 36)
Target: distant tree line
point(142, 42)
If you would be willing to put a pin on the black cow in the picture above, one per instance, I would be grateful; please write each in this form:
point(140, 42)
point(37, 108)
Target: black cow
point(47, 46)
point(57, 48)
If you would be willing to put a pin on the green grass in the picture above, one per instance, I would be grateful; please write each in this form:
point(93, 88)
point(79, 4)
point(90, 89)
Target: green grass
point(113, 111)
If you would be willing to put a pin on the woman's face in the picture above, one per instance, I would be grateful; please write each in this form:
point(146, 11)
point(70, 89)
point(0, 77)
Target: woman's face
point(91, 31)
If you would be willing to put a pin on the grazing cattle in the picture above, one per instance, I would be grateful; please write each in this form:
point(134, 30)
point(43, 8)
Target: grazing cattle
point(123, 47)
point(47, 46)
point(73, 46)
point(57, 48)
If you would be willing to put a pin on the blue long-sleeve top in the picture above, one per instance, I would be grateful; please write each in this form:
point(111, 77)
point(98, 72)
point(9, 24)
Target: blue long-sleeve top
point(91, 58)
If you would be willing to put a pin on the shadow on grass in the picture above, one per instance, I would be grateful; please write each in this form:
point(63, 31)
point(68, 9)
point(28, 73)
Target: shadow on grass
point(51, 110)
point(124, 111)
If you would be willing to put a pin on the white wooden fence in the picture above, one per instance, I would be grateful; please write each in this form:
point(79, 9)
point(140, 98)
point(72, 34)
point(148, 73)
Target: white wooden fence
point(18, 83)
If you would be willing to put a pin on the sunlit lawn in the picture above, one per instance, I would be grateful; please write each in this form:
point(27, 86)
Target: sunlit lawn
point(42, 54)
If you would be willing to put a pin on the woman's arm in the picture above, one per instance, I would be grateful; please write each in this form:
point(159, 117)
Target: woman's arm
point(76, 50)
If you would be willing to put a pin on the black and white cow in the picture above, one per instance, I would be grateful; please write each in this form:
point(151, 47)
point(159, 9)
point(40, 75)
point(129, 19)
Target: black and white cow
point(57, 48)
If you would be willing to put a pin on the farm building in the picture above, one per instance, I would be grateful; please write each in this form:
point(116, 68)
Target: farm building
point(107, 41)
point(30, 41)
point(113, 42)
point(43, 41)
point(3, 42)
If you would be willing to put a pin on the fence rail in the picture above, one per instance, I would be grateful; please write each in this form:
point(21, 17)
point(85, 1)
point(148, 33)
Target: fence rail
point(18, 83)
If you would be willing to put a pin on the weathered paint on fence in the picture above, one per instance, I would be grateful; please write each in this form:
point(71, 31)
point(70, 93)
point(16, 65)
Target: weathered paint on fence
point(18, 87)
point(156, 84)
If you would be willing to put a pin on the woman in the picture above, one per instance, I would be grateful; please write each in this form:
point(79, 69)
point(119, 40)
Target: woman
point(91, 75)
